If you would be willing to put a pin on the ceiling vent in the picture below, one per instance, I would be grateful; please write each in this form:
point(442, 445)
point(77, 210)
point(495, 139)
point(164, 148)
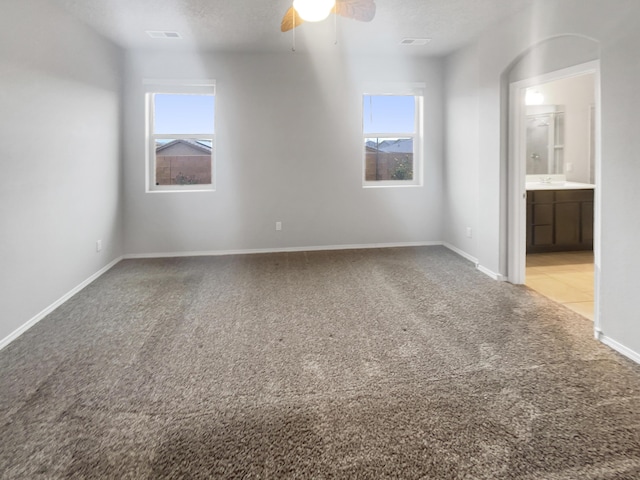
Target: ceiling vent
point(160, 34)
point(415, 41)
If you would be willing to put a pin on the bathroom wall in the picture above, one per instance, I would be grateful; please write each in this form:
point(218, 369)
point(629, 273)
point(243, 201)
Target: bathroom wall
point(576, 95)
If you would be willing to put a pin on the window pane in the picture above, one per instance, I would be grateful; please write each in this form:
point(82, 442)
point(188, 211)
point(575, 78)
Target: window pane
point(183, 162)
point(388, 158)
point(175, 113)
point(389, 113)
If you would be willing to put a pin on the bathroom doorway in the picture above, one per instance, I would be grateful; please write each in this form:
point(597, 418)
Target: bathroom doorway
point(565, 277)
point(554, 225)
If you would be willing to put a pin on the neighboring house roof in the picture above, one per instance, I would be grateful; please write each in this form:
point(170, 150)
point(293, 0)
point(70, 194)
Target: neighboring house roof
point(400, 145)
point(199, 145)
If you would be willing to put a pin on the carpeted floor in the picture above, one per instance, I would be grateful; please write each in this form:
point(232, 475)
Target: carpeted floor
point(389, 363)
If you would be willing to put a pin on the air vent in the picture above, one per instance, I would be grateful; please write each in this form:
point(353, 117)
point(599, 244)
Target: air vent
point(160, 34)
point(415, 41)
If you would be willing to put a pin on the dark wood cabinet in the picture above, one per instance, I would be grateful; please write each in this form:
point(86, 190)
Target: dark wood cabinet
point(559, 220)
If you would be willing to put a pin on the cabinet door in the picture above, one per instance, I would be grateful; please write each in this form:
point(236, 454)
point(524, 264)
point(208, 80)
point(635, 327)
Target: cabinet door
point(567, 223)
point(587, 222)
point(542, 235)
point(529, 217)
point(543, 214)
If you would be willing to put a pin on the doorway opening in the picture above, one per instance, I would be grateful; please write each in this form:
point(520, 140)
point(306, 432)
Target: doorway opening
point(565, 277)
point(554, 198)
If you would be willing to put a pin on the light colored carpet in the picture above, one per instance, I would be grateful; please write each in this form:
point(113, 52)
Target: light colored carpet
point(388, 363)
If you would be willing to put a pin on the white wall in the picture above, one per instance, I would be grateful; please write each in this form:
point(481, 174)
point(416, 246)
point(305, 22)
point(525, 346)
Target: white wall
point(288, 149)
point(475, 76)
point(59, 157)
point(461, 187)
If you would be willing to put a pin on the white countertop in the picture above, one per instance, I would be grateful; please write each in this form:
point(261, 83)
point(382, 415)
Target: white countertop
point(559, 186)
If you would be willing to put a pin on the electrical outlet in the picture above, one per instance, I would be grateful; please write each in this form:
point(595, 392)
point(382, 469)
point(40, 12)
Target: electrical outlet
point(469, 232)
point(98, 245)
point(278, 226)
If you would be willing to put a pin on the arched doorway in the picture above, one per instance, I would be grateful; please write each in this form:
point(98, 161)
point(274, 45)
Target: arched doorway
point(558, 59)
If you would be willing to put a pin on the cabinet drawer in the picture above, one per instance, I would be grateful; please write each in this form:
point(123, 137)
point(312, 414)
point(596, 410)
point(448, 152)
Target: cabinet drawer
point(543, 196)
point(574, 195)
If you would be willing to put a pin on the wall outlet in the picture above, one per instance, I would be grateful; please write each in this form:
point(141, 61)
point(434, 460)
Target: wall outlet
point(278, 226)
point(469, 232)
point(568, 167)
point(98, 245)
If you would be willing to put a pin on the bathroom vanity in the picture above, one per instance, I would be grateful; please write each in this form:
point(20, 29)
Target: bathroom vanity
point(559, 216)
point(559, 212)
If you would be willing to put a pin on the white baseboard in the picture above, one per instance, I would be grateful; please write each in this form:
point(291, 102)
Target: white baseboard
point(462, 253)
point(20, 330)
point(215, 253)
point(496, 276)
point(618, 347)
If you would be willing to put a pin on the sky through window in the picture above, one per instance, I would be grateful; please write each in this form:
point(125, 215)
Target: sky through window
point(389, 113)
point(183, 114)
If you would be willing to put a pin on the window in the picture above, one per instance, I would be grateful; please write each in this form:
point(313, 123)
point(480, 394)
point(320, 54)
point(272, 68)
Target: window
point(180, 137)
point(392, 139)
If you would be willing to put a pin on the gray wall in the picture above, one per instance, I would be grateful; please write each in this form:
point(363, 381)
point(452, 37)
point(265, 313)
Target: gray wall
point(60, 88)
point(476, 112)
point(288, 149)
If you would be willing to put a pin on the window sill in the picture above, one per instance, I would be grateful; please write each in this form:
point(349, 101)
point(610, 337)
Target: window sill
point(181, 190)
point(391, 185)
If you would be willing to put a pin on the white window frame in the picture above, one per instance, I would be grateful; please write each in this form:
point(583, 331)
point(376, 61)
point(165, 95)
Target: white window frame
point(181, 87)
point(417, 91)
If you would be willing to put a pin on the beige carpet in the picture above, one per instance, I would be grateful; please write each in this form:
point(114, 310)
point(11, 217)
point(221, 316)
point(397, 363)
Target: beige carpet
point(388, 363)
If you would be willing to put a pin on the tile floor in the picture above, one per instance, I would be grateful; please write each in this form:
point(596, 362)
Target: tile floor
point(566, 277)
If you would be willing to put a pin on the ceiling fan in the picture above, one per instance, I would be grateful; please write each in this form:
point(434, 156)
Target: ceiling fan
point(317, 10)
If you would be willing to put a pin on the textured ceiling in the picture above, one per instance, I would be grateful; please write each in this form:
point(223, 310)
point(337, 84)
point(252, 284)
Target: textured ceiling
point(254, 25)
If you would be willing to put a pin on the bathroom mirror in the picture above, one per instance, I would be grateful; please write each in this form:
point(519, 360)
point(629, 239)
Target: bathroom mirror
point(545, 140)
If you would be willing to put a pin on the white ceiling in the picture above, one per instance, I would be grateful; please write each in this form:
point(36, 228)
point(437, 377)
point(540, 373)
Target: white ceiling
point(254, 25)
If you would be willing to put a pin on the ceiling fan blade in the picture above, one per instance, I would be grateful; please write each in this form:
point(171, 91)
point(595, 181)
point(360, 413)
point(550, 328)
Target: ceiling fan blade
point(290, 20)
point(363, 10)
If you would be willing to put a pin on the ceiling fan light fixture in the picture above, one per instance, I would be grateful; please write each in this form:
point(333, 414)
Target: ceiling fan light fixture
point(313, 10)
